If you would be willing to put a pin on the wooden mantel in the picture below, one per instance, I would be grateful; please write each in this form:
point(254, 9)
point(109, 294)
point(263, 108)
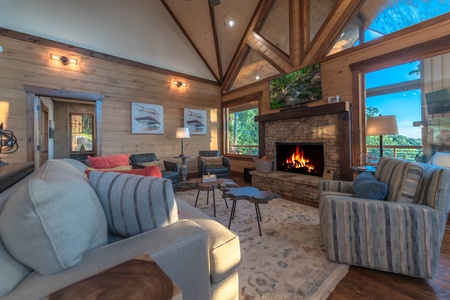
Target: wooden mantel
point(342, 109)
point(335, 108)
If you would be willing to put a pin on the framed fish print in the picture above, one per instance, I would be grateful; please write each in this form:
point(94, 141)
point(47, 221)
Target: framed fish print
point(195, 120)
point(147, 118)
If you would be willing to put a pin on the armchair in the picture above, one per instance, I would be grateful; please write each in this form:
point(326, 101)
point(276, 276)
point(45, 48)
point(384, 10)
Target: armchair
point(402, 234)
point(171, 169)
point(207, 165)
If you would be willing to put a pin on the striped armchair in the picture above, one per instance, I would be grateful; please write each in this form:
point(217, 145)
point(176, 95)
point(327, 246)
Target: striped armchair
point(402, 234)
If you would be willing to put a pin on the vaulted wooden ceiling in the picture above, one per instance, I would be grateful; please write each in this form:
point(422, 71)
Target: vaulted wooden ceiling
point(269, 37)
point(192, 37)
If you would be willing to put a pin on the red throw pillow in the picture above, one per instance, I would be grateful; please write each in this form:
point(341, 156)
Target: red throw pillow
point(147, 171)
point(105, 162)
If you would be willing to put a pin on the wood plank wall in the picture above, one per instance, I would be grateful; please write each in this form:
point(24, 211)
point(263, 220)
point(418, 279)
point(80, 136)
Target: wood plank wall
point(26, 63)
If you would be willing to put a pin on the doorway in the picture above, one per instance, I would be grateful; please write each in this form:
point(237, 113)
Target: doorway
point(43, 134)
point(33, 115)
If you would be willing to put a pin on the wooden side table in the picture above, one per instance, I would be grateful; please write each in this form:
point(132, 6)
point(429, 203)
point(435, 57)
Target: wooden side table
point(251, 194)
point(12, 173)
point(138, 278)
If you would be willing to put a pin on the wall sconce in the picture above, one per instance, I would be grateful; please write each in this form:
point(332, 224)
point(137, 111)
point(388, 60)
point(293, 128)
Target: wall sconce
point(64, 59)
point(179, 83)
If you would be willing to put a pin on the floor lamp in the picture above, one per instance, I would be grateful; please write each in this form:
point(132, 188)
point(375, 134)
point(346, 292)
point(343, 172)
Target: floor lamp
point(382, 125)
point(183, 133)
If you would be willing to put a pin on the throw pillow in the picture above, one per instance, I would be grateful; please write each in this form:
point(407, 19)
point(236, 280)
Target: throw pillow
point(12, 271)
point(159, 163)
point(147, 171)
point(105, 162)
point(408, 190)
point(441, 159)
point(216, 160)
point(134, 204)
point(366, 186)
point(53, 219)
point(119, 168)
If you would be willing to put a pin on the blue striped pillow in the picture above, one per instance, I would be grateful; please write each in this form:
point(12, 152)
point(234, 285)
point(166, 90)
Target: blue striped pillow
point(134, 204)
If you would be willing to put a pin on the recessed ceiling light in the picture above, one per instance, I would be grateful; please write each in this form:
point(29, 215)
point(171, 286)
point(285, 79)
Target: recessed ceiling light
point(230, 23)
point(257, 77)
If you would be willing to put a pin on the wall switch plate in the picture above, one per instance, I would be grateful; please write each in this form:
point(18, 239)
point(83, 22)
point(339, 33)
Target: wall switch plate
point(333, 99)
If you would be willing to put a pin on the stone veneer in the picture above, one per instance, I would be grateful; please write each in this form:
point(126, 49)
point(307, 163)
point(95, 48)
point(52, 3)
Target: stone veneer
point(326, 124)
point(314, 129)
point(296, 186)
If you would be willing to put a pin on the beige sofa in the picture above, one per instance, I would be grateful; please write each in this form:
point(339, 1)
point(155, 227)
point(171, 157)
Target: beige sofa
point(56, 228)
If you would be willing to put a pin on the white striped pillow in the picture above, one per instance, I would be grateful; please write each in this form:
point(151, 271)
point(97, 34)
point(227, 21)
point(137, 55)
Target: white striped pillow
point(134, 204)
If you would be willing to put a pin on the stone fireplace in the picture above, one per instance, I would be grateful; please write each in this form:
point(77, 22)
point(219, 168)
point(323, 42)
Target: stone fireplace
point(326, 125)
point(300, 158)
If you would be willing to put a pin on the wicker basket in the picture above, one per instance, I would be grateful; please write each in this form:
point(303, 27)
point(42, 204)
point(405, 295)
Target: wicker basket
point(263, 166)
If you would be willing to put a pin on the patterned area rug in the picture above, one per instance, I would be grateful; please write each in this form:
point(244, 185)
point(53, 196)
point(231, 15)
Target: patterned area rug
point(288, 261)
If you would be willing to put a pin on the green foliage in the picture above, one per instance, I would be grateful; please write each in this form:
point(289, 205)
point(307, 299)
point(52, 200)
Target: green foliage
point(243, 130)
point(372, 111)
point(297, 87)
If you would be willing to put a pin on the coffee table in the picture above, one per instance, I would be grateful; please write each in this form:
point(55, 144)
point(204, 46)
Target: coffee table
point(252, 194)
point(207, 186)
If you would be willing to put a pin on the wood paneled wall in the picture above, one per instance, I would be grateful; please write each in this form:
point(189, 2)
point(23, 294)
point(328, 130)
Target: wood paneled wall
point(26, 63)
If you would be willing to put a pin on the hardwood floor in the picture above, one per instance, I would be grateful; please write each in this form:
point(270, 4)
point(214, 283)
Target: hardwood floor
point(362, 283)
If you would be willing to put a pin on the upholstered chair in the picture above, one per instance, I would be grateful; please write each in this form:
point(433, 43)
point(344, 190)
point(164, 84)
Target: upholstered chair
point(401, 233)
point(210, 161)
point(168, 169)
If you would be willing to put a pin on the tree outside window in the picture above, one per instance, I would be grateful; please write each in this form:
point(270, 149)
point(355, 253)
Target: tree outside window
point(242, 133)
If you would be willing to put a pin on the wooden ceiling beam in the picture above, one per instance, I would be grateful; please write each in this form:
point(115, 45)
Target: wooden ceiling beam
point(337, 20)
point(276, 57)
point(242, 51)
point(216, 43)
point(191, 41)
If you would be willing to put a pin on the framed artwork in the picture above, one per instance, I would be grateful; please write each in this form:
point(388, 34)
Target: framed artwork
point(195, 120)
point(147, 118)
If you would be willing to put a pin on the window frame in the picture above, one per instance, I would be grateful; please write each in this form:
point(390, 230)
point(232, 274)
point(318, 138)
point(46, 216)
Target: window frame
point(94, 141)
point(225, 108)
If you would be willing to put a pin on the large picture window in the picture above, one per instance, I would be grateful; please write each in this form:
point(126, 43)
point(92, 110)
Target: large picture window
point(242, 130)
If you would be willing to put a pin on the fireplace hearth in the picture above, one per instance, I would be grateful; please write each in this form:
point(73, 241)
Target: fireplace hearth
point(300, 158)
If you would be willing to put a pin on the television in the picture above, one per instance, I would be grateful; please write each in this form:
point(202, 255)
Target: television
point(438, 101)
point(296, 88)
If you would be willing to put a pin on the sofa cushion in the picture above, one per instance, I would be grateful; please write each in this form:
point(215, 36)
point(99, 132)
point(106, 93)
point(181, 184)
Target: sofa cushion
point(408, 189)
point(53, 219)
point(80, 166)
point(366, 186)
point(147, 171)
point(12, 271)
point(212, 160)
point(105, 162)
point(134, 204)
point(223, 244)
point(159, 163)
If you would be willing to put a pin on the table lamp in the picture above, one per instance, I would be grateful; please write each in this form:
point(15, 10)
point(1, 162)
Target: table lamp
point(182, 133)
point(382, 125)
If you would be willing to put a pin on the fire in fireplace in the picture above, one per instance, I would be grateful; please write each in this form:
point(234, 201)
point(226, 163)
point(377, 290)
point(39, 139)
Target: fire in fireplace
point(302, 158)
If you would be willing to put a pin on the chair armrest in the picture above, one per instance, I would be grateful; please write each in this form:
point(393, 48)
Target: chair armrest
point(391, 236)
point(226, 161)
point(200, 166)
point(336, 186)
point(171, 166)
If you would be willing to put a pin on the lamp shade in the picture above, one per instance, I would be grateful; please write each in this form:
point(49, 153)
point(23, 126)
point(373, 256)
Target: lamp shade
point(381, 125)
point(182, 133)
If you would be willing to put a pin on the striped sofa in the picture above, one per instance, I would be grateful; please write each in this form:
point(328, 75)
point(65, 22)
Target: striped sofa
point(402, 234)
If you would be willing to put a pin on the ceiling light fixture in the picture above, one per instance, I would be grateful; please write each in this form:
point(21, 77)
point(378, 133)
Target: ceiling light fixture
point(230, 23)
point(64, 59)
point(179, 83)
point(257, 77)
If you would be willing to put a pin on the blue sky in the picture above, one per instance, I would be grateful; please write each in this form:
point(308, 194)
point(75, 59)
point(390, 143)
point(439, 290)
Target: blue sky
point(405, 105)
